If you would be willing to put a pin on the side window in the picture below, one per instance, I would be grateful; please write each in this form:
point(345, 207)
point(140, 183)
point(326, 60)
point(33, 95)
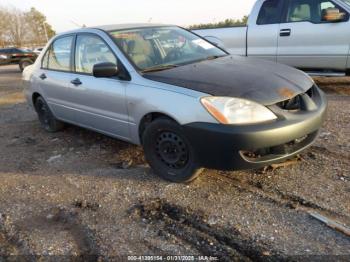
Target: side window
point(45, 60)
point(269, 13)
point(310, 10)
point(58, 55)
point(329, 7)
point(91, 50)
point(299, 11)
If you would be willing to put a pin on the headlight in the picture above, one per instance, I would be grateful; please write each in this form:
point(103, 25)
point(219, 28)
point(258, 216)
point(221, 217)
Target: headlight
point(229, 110)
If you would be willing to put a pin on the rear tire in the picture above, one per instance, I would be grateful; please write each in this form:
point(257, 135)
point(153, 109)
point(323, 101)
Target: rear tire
point(24, 63)
point(168, 151)
point(46, 118)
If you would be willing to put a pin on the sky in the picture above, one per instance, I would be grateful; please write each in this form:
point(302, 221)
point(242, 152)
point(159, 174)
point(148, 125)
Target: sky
point(65, 15)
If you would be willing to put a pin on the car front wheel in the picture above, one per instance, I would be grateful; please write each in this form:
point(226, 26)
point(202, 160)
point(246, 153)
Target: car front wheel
point(46, 118)
point(168, 151)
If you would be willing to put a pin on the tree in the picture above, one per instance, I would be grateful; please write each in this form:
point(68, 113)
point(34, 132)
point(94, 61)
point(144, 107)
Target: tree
point(226, 23)
point(19, 28)
point(16, 27)
point(3, 27)
point(38, 29)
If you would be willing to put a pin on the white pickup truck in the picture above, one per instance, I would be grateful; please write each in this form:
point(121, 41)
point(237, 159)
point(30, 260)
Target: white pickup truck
point(313, 35)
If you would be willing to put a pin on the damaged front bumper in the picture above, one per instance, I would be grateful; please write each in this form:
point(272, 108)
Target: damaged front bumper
point(230, 147)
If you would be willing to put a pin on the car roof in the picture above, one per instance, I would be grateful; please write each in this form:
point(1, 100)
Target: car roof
point(127, 26)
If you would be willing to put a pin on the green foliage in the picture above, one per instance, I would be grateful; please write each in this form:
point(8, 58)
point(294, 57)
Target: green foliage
point(226, 23)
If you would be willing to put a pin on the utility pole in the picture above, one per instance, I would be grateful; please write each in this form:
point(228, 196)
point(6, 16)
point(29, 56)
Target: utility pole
point(47, 37)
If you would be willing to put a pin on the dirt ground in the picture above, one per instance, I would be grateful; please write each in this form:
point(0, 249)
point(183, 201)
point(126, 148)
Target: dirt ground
point(78, 193)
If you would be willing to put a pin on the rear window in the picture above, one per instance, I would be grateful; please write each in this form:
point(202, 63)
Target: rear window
point(270, 12)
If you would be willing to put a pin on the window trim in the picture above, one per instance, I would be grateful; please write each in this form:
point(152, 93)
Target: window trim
point(48, 49)
point(285, 14)
point(280, 7)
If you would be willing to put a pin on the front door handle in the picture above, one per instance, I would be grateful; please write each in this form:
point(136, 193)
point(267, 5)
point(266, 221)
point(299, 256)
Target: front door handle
point(76, 82)
point(43, 76)
point(285, 32)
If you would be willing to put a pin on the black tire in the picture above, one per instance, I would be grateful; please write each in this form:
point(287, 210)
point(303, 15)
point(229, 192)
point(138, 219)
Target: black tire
point(168, 151)
point(24, 63)
point(46, 118)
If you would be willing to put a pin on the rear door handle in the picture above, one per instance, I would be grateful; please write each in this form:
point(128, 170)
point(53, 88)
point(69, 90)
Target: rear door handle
point(285, 32)
point(43, 76)
point(76, 82)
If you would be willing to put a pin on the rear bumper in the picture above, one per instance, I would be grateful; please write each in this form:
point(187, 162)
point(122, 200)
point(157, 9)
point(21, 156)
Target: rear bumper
point(229, 147)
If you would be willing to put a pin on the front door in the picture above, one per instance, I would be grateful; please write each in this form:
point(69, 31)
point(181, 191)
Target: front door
point(98, 103)
point(55, 74)
point(306, 40)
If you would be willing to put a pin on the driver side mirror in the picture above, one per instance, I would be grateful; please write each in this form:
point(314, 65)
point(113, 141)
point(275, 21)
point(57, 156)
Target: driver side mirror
point(332, 15)
point(106, 69)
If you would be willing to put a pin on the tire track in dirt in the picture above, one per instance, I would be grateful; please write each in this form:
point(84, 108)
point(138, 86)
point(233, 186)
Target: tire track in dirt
point(278, 197)
point(227, 244)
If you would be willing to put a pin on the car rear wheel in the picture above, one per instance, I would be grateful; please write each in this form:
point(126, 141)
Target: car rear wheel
point(24, 63)
point(168, 151)
point(46, 118)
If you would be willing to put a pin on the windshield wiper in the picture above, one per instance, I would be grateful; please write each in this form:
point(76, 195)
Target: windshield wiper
point(158, 68)
point(213, 57)
point(209, 58)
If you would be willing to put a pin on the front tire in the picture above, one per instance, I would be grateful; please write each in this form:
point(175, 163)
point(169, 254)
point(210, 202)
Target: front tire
point(168, 151)
point(46, 118)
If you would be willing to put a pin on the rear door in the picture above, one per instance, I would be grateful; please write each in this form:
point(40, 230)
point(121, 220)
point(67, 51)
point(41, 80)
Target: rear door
point(307, 41)
point(55, 74)
point(262, 37)
point(97, 103)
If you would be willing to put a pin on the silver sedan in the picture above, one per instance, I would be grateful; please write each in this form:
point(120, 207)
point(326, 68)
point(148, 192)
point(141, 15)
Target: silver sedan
point(186, 101)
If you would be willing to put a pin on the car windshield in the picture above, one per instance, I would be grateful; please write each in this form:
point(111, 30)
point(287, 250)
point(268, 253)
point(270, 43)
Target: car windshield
point(160, 48)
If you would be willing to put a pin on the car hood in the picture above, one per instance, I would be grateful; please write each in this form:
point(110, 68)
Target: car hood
point(261, 81)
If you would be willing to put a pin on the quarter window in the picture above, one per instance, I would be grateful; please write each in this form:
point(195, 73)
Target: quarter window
point(270, 12)
point(58, 56)
point(91, 50)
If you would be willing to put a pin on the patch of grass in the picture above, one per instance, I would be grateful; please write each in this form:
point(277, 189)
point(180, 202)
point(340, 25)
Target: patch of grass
point(335, 85)
point(10, 99)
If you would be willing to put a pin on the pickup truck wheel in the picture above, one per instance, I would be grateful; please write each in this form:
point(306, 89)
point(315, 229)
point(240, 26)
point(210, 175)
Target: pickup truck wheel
point(168, 151)
point(46, 118)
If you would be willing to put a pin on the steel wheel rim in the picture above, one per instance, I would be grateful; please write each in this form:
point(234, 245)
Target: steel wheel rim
point(172, 150)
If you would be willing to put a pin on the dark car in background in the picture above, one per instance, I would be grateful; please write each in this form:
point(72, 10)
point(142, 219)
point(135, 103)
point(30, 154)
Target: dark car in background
point(18, 56)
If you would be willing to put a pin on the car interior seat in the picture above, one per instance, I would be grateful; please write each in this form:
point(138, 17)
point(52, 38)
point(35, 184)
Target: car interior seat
point(141, 53)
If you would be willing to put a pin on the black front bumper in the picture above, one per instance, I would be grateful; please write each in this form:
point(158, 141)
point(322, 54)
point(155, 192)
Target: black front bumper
point(230, 147)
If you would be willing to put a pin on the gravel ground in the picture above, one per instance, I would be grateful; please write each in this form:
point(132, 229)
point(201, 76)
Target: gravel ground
point(78, 193)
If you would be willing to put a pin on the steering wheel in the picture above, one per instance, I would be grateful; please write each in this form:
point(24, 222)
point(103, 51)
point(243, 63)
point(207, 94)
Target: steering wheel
point(174, 54)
